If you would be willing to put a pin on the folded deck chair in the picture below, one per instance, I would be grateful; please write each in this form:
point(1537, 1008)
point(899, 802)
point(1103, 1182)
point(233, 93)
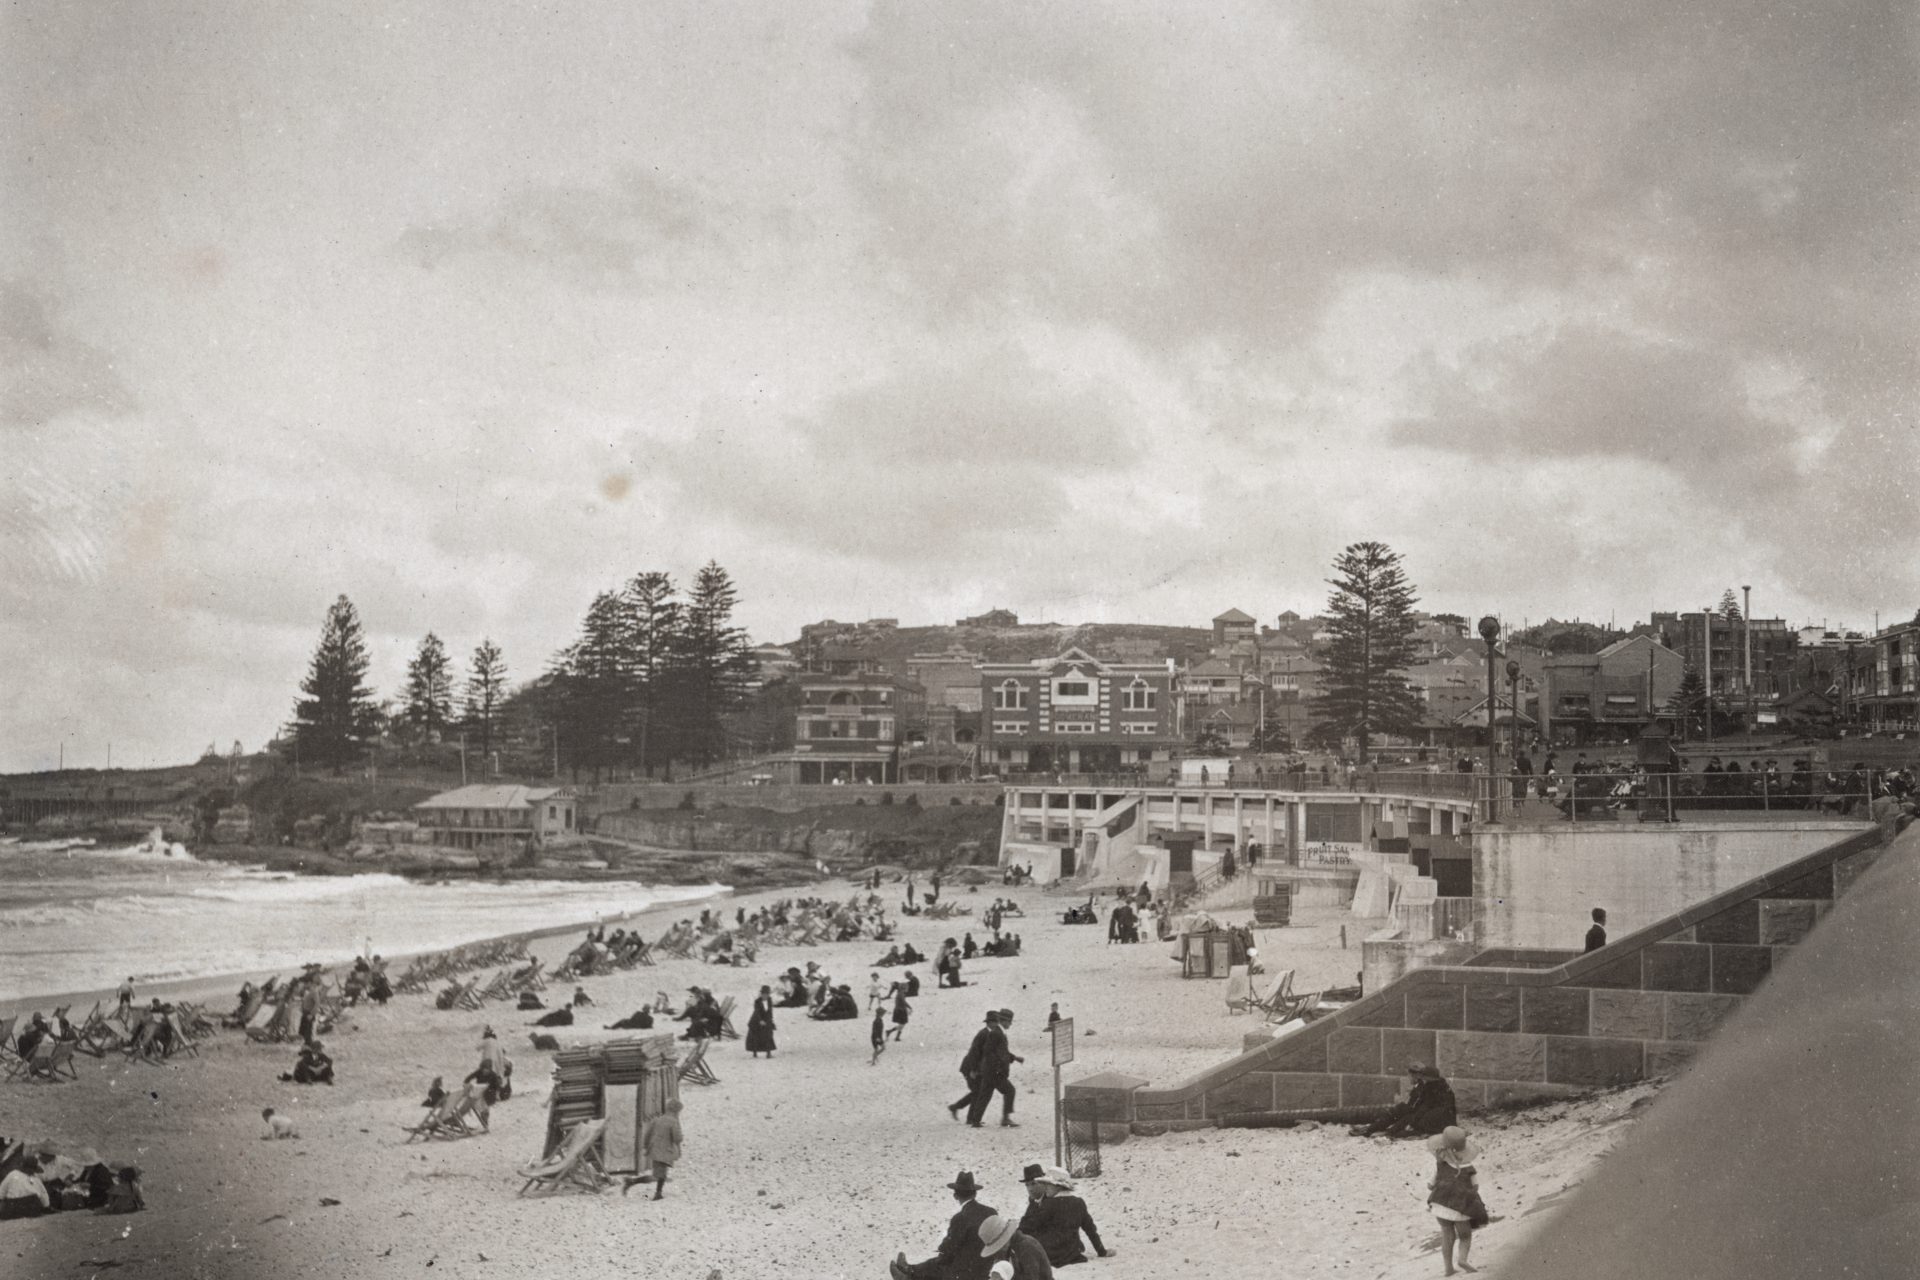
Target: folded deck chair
point(573, 1164)
point(7, 1052)
point(726, 1019)
point(1279, 996)
point(1239, 989)
point(53, 1064)
point(695, 1069)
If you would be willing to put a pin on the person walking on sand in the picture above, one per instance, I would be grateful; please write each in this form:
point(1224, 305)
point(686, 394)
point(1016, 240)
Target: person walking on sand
point(876, 991)
point(995, 1074)
point(970, 1069)
point(660, 1143)
point(1454, 1196)
point(901, 1011)
point(878, 1034)
point(760, 1024)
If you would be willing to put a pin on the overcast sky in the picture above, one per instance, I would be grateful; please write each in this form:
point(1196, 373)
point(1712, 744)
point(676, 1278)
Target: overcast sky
point(1095, 312)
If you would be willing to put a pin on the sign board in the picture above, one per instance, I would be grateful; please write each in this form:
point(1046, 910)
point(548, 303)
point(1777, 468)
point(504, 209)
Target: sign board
point(1062, 1042)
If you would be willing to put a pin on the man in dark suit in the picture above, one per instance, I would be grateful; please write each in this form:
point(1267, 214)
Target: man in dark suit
point(996, 1069)
point(970, 1069)
point(959, 1256)
point(1597, 936)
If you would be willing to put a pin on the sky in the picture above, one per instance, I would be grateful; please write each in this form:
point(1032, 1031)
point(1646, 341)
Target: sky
point(1096, 312)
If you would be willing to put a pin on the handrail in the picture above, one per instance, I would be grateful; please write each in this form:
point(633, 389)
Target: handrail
point(1667, 795)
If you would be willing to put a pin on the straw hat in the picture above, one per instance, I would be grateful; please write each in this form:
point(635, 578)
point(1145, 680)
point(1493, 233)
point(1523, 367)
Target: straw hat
point(997, 1232)
point(1055, 1176)
point(1453, 1147)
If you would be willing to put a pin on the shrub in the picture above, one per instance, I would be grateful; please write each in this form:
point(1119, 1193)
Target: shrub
point(687, 801)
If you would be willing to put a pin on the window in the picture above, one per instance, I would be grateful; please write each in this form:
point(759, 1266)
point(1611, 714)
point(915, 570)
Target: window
point(1009, 726)
point(1011, 695)
point(1074, 726)
point(1138, 726)
point(1074, 689)
point(1071, 689)
point(1138, 696)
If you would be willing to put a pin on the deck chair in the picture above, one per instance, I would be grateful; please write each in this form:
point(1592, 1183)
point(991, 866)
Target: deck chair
point(448, 1120)
point(51, 1065)
point(469, 997)
point(573, 1164)
point(181, 1040)
point(694, 1069)
point(1279, 996)
point(726, 1020)
point(7, 1053)
point(99, 1035)
point(1239, 989)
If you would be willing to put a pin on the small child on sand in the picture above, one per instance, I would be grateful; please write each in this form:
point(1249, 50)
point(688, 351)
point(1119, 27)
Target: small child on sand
point(278, 1126)
point(879, 1033)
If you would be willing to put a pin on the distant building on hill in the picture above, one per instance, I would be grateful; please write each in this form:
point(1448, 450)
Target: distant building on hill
point(1233, 625)
point(991, 618)
point(499, 817)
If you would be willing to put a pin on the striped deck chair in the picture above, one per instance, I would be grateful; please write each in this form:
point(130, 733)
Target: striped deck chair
point(1279, 997)
point(501, 987)
point(643, 954)
point(448, 1120)
point(694, 1068)
point(726, 1019)
point(575, 1163)
point(470, 997)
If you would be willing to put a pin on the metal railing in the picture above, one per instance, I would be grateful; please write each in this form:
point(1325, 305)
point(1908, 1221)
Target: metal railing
point(1667, 797)
point(1418, 782)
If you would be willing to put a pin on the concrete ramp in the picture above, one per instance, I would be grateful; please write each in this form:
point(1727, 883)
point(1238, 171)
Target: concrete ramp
point(1509, 1026)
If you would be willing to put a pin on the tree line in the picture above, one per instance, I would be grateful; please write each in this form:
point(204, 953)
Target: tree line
point(652, 678)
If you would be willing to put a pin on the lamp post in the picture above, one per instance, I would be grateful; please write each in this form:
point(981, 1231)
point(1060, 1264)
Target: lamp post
point(1513, 706)
point(1490, 632)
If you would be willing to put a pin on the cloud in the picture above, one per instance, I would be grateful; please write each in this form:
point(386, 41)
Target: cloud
point(46, 372)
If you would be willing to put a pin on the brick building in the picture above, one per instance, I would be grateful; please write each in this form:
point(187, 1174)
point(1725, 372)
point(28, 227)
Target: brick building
point(851, 725)
point(1075, 714)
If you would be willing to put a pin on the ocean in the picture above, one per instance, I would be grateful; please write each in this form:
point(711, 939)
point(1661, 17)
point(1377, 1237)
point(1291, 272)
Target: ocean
point(76, 917)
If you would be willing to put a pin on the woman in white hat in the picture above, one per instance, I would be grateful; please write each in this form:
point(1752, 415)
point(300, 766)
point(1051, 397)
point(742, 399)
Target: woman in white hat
point(1454, 1195)
point(1014, 1255)
point(1057, 1218)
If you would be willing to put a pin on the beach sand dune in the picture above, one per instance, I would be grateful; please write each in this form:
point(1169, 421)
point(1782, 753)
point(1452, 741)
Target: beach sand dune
point(812, 1164)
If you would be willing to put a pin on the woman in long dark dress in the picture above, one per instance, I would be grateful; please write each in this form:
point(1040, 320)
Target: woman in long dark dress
point(760, 1024)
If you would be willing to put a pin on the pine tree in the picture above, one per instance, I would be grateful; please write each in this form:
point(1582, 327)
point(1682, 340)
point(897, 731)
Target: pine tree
point(595, 687)
point(1689, 702)
point(1729, 607)
point(336, 719)
point(486, 688)
point(653, 640)
point(1364, 688)
point(714, 665)
point(430, 689)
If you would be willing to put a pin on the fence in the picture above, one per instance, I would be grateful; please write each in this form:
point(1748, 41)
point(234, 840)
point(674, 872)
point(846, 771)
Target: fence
point(1664, 797)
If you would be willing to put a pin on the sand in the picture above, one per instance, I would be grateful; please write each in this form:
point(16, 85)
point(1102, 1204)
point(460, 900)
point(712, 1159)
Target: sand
point(811, 1164)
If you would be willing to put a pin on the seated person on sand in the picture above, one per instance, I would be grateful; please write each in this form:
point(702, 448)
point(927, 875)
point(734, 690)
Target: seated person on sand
point(1429, 1108)
point(638, 1020)
point(561, 1017)
point(838, 1007)
point(436, 1094)
point(378, 986)
point(581, 998)
point(890, 959)
point(22, 1194)
point(124, 1195)
point(530, 1000)
point(909, 956)
point(313, 1066)
point(30, 1037)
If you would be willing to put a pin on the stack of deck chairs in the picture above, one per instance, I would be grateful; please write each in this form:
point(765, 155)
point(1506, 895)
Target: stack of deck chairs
point(625, 1082)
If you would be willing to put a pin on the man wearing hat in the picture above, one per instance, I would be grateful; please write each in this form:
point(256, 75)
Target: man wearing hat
point(1015, 1255)
point(1429, 1108)
point(959, 1256)
point(1055, 1216)
point(970, 1070)
point(996, 1068)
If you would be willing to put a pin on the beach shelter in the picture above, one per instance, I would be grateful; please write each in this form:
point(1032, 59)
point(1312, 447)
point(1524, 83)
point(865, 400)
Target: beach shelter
point(625, 1082)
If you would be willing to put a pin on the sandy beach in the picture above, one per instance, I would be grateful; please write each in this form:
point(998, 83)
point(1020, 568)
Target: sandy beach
point(811, 1164)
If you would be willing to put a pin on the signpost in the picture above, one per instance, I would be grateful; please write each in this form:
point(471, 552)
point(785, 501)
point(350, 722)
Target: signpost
point(1062, 1054)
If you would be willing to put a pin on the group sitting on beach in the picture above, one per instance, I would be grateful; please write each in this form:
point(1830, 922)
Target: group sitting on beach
point(313, 1066)
point(44, 1179)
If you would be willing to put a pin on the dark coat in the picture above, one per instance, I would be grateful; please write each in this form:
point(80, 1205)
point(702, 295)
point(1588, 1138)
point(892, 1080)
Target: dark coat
point(976, 1054)
point(958, 1257)
point(996, 1059)
point(1056, 1223)
point(760, 1026)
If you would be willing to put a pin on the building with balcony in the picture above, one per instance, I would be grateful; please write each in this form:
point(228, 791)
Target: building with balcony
point(1609, 696)
point(499, 818)
point(1233, 625)
point(1722, 663)
point(1885, 684)
point(851, 725)
point(951, 678)
point(1076, 714)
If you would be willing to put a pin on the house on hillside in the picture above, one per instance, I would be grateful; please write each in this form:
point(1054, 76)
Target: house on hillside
point(1609, 696)
point(498, 817)
point(1233, 625)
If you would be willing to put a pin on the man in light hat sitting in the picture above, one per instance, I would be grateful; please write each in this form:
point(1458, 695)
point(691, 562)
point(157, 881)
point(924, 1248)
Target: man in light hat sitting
point(1015, 1255)
point(958, 1257)
point(1056, 1217)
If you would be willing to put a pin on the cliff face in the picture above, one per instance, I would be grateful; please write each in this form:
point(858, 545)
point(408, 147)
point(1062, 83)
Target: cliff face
point(836, 837)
